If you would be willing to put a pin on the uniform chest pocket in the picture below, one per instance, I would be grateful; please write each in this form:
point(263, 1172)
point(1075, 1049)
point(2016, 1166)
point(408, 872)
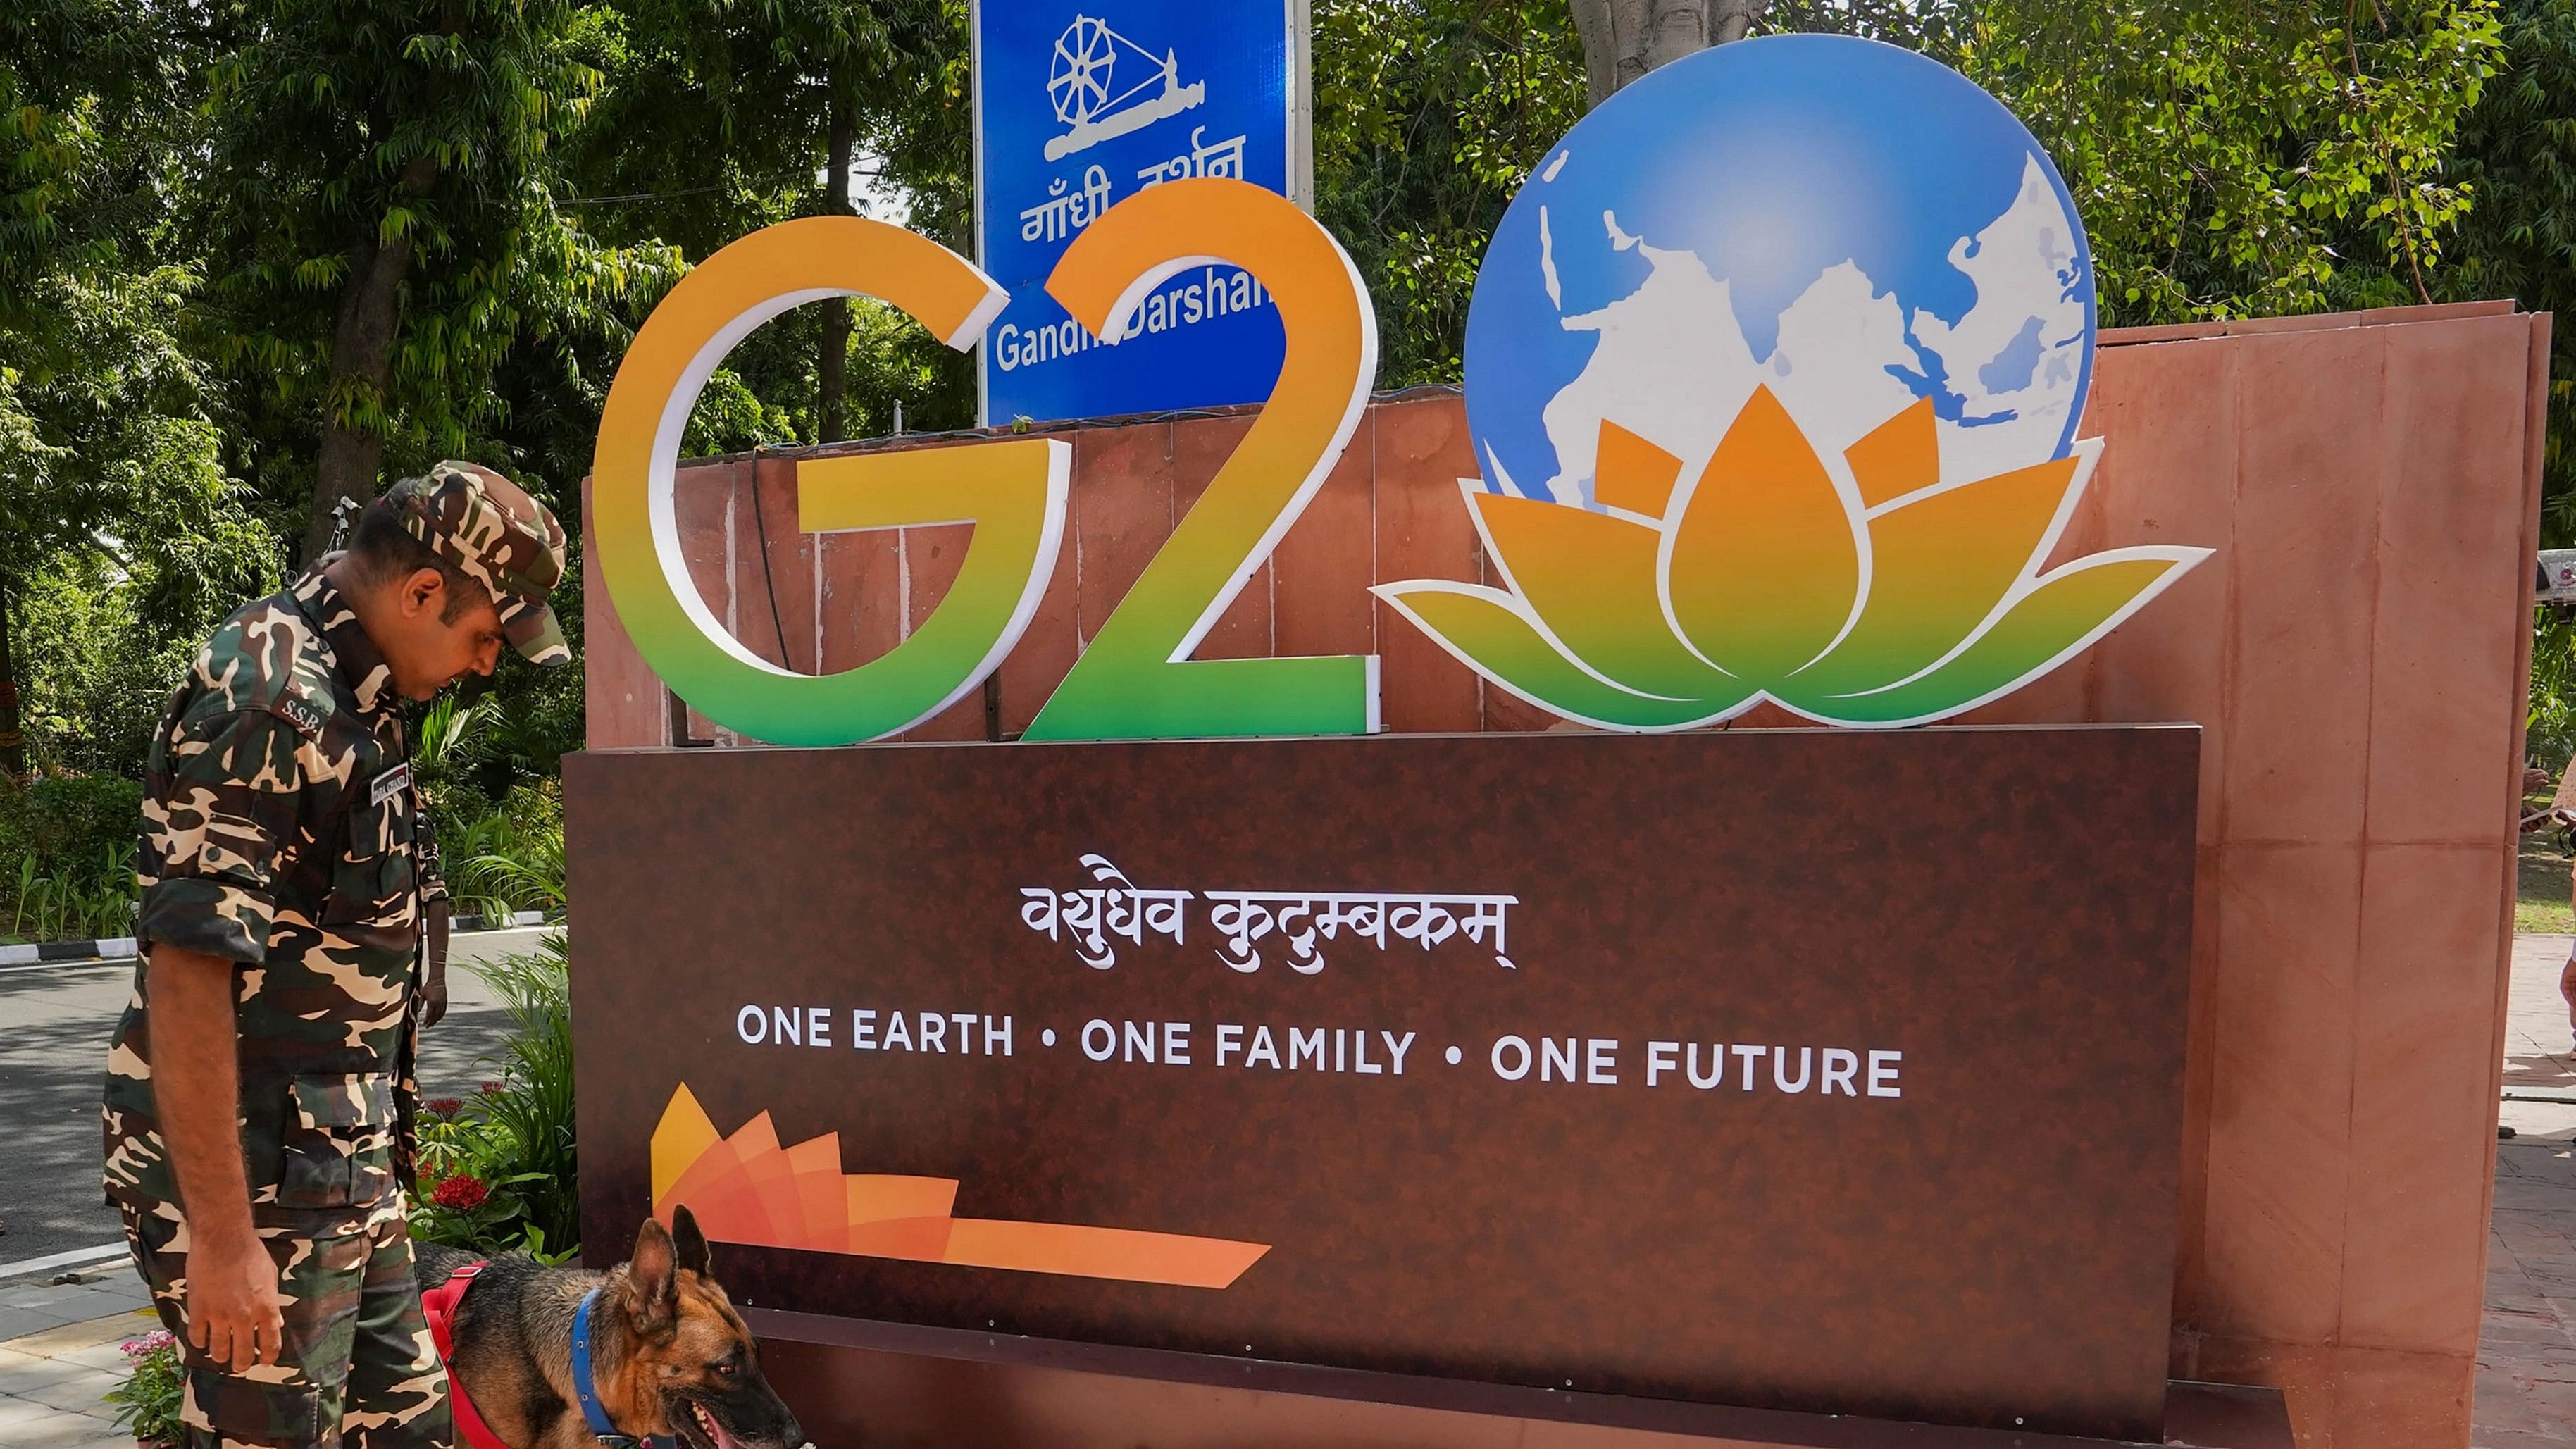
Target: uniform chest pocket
point(371, 881)
point(339, 1147)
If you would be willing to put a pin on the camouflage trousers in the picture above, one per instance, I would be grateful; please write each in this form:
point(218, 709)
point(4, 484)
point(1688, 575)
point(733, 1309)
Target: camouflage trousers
point(358, 1370)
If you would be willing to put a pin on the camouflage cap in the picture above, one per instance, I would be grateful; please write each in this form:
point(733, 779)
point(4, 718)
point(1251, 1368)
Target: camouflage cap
point(489, 528)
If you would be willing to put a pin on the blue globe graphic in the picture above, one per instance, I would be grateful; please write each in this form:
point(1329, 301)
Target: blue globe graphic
point(1848, 223)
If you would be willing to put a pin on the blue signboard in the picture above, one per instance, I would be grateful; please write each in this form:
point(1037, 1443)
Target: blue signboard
point(1080, 104)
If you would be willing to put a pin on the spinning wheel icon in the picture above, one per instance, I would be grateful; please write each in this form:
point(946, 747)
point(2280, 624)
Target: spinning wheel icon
point(1078, 79)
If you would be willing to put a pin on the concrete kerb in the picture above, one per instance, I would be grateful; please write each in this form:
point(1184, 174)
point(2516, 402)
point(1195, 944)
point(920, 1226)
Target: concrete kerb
point(121, 948)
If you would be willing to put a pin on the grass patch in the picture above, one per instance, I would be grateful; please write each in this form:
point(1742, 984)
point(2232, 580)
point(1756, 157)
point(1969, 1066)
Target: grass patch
point(2542, 887)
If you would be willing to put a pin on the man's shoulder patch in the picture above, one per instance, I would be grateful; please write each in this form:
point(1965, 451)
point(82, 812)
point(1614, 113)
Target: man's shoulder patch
point(309, 718)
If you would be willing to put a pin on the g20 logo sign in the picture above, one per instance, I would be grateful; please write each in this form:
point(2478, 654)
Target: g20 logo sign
point(1774, 371)
point(1136, 679)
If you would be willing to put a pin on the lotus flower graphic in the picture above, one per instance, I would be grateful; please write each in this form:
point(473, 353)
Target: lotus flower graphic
point(1896, 599)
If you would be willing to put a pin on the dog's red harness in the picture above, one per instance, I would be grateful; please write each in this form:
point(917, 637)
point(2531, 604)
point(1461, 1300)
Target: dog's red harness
point(441, 1303)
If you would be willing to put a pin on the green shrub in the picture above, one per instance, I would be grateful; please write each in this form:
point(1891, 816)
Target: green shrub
point(62, 819)
point(498, 1170)
point(509, 857)
point(67, 856)
point(2551, 724)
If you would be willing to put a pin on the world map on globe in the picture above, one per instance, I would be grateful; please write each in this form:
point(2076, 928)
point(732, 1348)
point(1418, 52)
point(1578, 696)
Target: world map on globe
point(1847, 223)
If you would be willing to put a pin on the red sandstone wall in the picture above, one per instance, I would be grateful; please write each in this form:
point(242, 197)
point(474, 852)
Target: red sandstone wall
point(2355, 653)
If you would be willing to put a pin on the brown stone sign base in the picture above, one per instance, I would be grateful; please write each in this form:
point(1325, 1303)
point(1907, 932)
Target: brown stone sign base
point(897, 1384)
point(1820, 1071)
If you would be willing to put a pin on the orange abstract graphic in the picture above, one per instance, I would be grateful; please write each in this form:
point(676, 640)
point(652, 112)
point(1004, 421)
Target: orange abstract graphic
point(748, 1189)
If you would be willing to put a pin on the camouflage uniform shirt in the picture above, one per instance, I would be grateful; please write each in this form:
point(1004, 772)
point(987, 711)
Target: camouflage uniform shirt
point(278, 833)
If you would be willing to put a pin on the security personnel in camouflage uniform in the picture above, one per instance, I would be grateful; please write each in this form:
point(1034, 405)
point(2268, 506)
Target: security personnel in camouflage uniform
point(278, 855)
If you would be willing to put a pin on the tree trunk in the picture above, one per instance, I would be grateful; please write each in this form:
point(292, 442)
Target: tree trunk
point(13, 745)
point(832, 367)
point(362, 353)
point(1624, 39)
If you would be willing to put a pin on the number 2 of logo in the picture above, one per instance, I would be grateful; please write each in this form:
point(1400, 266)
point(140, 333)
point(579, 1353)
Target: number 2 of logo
point(1136, 680)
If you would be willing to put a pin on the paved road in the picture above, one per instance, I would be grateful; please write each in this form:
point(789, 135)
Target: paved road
point(54, 1025)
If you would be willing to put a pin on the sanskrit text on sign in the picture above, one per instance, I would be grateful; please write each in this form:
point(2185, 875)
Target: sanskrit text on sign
point(1113, 905)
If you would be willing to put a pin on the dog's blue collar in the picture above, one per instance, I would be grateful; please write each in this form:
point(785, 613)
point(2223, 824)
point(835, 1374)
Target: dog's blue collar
point(587, 1393)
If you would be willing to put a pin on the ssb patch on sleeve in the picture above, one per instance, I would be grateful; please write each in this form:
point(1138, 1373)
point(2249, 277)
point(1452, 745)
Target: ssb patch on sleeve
point(303, 714)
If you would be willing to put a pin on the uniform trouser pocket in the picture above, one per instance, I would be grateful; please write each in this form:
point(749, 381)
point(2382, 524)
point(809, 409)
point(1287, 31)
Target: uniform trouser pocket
point(357, 1370)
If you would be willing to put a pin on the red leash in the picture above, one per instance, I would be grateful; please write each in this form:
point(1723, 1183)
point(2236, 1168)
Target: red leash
point(441, 1303)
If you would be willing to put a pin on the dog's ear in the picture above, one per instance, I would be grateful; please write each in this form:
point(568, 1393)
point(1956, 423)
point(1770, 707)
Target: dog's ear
point(691, 1243)
point(652, 1280)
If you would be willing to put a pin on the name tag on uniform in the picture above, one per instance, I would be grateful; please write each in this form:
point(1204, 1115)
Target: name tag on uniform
point(389, 784)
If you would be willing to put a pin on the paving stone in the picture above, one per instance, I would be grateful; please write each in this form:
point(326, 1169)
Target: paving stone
point(69, 1431)
point(37, 1295)
point(15, 1411)
point(2504, 1327)
point(16, 1323)
point(2533, 1194)
point(21, 1374)
point(116, 1327)
point(2501, 1406)
point(106, 1357)
point(84, 1392)
point(123, 1288)
point(2486, 1438)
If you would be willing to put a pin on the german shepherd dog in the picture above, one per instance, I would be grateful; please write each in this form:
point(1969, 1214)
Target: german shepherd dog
point(669, 1356)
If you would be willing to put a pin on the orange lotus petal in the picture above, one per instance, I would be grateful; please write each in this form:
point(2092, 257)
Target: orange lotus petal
point(822, 1209)
point(878, 1197)
point(720, 1163)
point(1938, 567)
point(1629, 472)
point(1102, 1253)
point(1487, 630)
point(682, 1137)
point(773, 1183)
point(1592, 578)
point(1900, 456)
point(1764, 565)
point(2072, 606)
point(726, 1203)
point(923, 1239)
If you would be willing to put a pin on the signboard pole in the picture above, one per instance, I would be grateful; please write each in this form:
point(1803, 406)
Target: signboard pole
point(1301, 104)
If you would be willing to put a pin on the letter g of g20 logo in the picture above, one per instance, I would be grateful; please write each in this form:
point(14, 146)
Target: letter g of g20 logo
point(1136, 680)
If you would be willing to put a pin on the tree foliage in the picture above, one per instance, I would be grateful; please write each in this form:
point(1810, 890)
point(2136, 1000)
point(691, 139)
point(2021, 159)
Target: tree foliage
point(2517, 156)
point(116, 507)
point(378, 194)
point(1428, 116)
point(2235, 160)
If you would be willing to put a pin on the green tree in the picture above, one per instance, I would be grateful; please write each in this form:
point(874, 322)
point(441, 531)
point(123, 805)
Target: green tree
point(2517, 156)
point(381, 207)
point(2240, 160)
point(120, 523)
point(719, 119)
point(1428, 116)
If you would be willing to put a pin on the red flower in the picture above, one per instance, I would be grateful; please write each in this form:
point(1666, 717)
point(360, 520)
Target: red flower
point(491, 1089)
point(443, 1106)
point(464, 1192)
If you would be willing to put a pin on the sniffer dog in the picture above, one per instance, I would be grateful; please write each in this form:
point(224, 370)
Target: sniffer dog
point(669, 1357)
